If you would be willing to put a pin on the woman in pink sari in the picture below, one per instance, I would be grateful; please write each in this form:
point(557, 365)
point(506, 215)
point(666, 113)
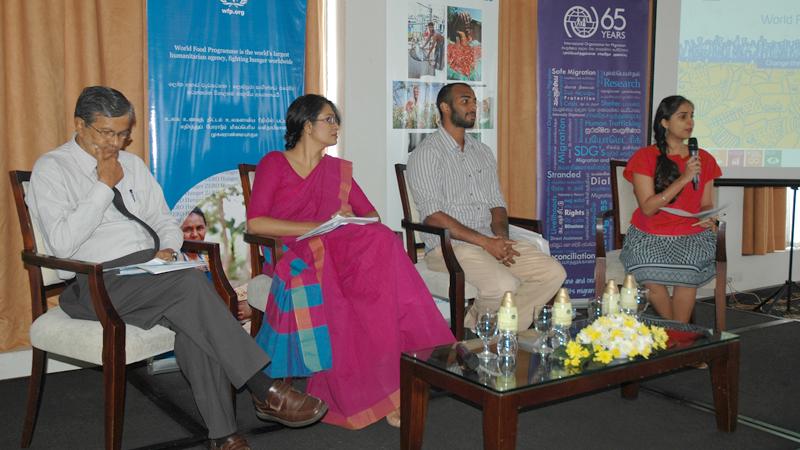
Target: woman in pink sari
point(344, 304)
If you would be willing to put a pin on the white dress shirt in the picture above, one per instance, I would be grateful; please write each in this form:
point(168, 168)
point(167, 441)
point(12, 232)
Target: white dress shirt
point(74, 210)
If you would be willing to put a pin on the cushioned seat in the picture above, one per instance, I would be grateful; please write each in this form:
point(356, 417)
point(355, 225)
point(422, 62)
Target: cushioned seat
point(56, 332)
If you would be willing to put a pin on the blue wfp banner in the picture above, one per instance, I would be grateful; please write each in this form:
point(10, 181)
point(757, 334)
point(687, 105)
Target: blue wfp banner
point(221, 76)
point(593, 84)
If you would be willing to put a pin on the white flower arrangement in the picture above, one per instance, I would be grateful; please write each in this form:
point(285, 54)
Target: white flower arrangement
point(618, 336)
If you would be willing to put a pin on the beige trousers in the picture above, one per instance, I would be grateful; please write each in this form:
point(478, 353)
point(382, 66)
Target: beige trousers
point(534, 278)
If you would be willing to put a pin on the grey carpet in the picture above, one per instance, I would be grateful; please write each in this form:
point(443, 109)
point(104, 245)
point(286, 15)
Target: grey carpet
point(769, 388)
point(71, 412)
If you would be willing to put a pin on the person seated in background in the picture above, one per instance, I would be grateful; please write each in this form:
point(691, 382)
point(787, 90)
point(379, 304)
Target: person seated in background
point(663, 249)
point(194, 228)
point(96, 203)
point(453, 180)
point(343, 305)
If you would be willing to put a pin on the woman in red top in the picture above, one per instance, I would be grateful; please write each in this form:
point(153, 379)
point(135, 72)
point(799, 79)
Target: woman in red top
point(663, 249)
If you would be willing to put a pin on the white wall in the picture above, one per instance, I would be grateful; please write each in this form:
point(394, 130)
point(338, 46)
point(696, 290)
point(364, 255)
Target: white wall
point(363, 102)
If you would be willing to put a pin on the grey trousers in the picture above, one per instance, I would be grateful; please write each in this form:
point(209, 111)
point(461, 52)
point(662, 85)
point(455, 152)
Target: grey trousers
point(211, 347)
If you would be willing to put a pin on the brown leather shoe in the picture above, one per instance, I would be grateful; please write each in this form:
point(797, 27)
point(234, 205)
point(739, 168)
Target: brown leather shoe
point(232, 442)
point(288, 406)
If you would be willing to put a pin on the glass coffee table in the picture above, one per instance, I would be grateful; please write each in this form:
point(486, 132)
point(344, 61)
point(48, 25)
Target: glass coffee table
point(537, 380)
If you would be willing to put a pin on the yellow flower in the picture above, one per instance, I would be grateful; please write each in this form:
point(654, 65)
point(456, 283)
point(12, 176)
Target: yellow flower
point(660, 337)
point(603, 356)
point(615, 333)
point(573, 349)
point(615, 352)
point(574, 362)
point(646, 352)
point(628, 321)
point(644, 330)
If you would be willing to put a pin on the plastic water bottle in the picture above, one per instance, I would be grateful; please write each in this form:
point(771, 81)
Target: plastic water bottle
point(562, 318)
point(507, 331)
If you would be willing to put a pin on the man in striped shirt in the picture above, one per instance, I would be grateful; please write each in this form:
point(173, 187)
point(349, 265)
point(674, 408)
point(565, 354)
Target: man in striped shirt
point(453, 180)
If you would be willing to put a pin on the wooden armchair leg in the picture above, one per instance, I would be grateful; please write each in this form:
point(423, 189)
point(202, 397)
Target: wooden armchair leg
point(38, 367)
point(720, 304)
point(255, 322)
point(114, 381)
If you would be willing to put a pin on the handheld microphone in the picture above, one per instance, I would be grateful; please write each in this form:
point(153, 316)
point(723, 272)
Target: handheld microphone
point(693, 152)
point(466, 357)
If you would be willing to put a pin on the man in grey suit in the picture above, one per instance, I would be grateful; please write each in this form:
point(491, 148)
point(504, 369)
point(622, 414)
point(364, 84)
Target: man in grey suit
point(94, 202)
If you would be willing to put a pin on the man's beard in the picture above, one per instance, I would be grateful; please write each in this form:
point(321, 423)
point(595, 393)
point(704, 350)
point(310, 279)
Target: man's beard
point(462, 121)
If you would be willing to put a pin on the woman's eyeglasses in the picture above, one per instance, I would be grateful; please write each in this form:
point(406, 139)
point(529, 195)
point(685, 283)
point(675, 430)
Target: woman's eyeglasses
point(331, 120)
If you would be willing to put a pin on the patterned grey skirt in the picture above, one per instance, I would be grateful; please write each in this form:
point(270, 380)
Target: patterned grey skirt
point(687, 260)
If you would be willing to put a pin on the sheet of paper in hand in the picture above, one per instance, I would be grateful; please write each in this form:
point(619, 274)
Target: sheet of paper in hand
point(336, 222)
point(156, 266)
point(700, 215)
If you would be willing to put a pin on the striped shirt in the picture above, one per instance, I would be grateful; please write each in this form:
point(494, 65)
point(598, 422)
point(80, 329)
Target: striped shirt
point(463, 185)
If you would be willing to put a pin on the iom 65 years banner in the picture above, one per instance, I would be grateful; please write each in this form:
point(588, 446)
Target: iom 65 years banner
point(593, 83)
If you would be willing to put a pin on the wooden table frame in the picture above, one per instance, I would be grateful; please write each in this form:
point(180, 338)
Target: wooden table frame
point(500, 409)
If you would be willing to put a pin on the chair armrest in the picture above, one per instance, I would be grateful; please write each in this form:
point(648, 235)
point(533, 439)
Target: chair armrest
point(720, 294)
point(113, 326)
point(444, 241)
point(454, 270)
point(722, 255)
point(215, 268)
point(600, 234)
point(273, 243)
point(53, 262)
point(600, 251)
point(534, 225)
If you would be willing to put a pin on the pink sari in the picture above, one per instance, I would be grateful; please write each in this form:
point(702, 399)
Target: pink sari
point(344, 305)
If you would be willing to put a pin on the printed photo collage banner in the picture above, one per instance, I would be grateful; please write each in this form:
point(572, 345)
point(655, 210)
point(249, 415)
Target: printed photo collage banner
point(432, 43)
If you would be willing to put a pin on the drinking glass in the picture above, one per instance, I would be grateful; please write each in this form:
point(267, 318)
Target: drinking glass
point(642, 302)
point(486, 328)
point(595, 309)
point(544, 325)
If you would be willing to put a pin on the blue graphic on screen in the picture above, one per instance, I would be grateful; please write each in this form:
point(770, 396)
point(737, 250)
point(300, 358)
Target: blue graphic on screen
point(221, 75)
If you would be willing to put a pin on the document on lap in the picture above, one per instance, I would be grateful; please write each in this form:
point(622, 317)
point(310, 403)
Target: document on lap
point(700, 215)
point(336, 222)
point(156, 266)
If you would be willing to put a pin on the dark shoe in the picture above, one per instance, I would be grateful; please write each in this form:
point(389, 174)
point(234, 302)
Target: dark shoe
point(288, 406)
point(232, 442)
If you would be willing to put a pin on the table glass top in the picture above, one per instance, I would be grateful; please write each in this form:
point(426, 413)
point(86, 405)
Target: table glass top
point(531, 368)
